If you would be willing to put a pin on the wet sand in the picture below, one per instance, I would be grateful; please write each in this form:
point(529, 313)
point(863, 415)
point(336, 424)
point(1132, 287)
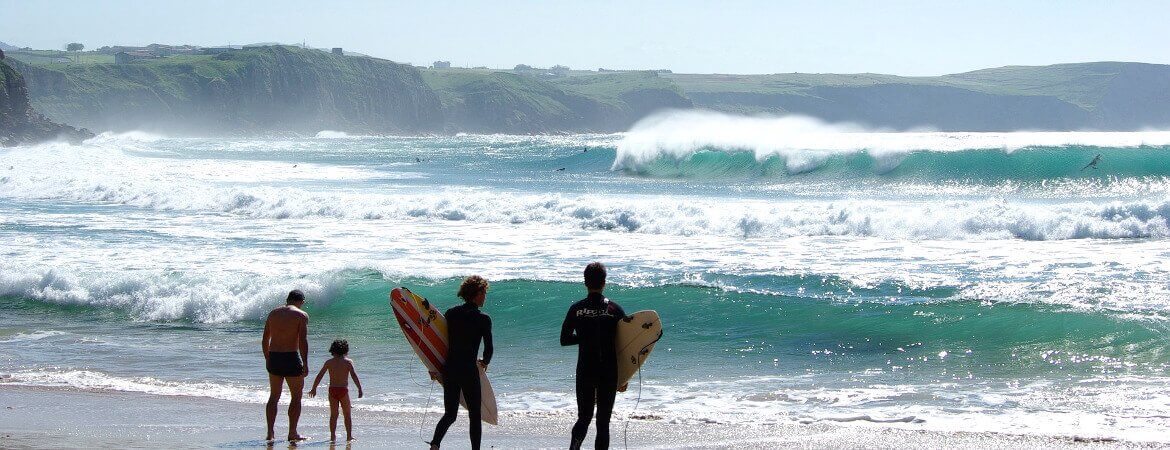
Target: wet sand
point(67, 418)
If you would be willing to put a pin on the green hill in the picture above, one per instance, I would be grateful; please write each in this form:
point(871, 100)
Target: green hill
point(501, 102)
point(289, 89)
point(265, 89)
point(1104, 96)
point(282, 89)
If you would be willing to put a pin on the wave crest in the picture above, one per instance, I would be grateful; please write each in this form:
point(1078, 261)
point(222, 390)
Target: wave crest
point(700, 143)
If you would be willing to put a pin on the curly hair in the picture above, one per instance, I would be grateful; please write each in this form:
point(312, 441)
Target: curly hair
point(471, 287)
point(339, 347)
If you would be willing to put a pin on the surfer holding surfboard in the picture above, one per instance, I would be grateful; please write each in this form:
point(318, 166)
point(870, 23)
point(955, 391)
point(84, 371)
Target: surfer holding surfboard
point(591, 324)
point(612, 347)
point(466, 327)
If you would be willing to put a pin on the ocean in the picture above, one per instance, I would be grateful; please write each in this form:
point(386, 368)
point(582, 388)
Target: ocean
point(804, 272)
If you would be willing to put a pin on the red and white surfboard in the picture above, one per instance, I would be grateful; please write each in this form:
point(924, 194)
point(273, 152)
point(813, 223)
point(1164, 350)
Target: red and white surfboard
point(426, 331)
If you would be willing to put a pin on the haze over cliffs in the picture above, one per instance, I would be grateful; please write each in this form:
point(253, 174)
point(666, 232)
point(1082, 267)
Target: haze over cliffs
point(19, 123)
point(1087, 96)
point(271, 89)
point(290, 90)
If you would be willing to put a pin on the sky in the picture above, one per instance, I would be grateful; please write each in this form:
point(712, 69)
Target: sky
point(913, 38)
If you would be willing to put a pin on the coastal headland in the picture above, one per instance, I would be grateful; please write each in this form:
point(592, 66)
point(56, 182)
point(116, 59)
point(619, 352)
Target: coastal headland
point(290, 90)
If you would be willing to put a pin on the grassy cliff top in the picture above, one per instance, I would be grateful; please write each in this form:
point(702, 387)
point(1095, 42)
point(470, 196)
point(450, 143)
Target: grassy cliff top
point(784, 83)
point(92, 75)
point(1082, 84)
point(609, 87)
point(453, 85)
point(226, 63)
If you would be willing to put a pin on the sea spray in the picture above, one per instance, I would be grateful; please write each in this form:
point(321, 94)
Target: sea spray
point(804, 144)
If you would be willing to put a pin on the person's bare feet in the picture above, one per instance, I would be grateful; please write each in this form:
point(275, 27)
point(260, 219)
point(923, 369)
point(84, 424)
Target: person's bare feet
point(270, 438)
point(297, 438)
point(350, 439)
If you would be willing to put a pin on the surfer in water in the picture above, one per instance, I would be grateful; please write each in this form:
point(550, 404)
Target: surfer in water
point(1093, 163)
point(466, 327)
point(286, 333)
point(591, 325)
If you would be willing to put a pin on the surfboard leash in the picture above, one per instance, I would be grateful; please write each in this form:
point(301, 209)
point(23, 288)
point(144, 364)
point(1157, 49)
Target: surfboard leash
point(422, 421)
point(638, 402)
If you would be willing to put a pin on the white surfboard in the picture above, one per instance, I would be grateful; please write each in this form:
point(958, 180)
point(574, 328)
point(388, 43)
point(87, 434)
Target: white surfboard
point(636, 336)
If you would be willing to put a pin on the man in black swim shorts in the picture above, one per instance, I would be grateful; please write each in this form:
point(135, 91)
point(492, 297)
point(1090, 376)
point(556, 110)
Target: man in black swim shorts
point(285, 335)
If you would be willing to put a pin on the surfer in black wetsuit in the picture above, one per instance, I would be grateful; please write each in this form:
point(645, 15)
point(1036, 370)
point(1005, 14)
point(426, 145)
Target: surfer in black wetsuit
point(591, 324)
point(466, 326)
point(1093, 163)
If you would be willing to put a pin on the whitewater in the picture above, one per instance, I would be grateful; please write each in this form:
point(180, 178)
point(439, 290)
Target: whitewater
point(805, 272)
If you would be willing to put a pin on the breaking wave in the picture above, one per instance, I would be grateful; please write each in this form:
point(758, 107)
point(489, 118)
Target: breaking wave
point(703, 144)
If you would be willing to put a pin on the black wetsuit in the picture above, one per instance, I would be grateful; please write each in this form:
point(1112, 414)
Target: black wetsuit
point(591, 324)
point(466, 326)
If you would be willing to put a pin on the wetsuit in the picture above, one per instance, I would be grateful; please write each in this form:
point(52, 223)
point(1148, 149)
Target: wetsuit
point(466, 326)
point(591, 324)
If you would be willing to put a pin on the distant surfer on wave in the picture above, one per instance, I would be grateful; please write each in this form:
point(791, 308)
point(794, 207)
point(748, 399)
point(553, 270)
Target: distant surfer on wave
point(466, 327)
point(591, 324)
point(1093, 163)
point(286, 332)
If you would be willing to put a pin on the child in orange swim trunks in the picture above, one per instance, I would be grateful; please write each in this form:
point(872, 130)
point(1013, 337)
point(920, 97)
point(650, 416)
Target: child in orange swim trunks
point(340, 369)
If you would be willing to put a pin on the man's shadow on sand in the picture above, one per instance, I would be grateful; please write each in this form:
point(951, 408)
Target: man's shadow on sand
point(283, 444)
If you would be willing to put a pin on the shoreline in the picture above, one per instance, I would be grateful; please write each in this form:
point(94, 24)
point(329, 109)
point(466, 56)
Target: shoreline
point(50, 417)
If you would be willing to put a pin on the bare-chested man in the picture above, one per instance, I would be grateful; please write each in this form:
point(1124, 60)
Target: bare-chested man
point(286, 333)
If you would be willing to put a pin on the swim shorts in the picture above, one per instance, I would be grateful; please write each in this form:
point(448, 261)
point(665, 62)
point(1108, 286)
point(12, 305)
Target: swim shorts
point(285, 364)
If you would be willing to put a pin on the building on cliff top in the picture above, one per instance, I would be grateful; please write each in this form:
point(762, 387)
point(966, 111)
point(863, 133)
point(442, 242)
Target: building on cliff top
point(441, 65)
point(338, 51)
point(128, 57)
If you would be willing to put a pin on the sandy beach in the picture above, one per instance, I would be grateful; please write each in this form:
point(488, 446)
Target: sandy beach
point(65, 418)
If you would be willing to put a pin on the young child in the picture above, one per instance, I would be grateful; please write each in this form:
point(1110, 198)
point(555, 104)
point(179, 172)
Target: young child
point(340, 369)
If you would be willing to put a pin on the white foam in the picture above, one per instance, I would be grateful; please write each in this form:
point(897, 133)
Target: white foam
point(218, 240)
point(805, 141)
point(158, 295)
point(31, 336)
point(258, 189)
point(1130, 408)
point(111, 138)
point(329, 134)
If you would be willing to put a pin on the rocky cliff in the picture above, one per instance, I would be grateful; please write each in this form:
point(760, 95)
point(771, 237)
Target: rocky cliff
point(19, 123)
point(257, 90)
point(279, 89)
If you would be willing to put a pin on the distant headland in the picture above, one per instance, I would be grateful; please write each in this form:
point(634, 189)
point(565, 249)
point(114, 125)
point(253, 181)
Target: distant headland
point(281, 89)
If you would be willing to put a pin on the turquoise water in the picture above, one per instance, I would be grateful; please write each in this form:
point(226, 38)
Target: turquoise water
point(934, 280)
